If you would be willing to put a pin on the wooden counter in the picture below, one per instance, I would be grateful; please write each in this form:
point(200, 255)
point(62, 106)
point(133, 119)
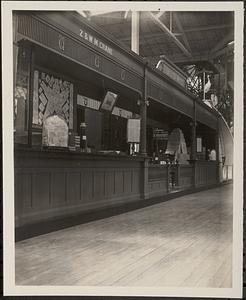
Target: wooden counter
point(65, 187)
point(52, 184)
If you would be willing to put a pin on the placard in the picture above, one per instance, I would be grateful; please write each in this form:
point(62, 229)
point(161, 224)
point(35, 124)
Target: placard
point(109, 101)
point(55, 132)
point(160, 134)
point(198, 144)
point(133, 131)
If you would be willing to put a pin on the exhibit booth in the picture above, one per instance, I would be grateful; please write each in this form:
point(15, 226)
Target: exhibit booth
point(97, 128)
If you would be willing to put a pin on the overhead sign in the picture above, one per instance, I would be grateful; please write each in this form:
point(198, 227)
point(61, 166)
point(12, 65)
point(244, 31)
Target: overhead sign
point(95, 41)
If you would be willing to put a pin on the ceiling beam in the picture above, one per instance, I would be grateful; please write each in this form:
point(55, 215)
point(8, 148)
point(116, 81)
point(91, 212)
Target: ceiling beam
point(126, 14)
point(83, 13)
point(224, 41)
point(181, 29)
point(135, 32)
point(166, 30)
point(181, 59)
point(147, 36)
point(159, 14)
point(99, 13)
point(208, 27)
point(199, 56)
point(185, 30)
point(159, 34)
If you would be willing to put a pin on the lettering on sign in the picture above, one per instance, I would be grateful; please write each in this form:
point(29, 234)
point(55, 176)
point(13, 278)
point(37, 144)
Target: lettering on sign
point(61, 42)
point(160, 134)
point(94, 41)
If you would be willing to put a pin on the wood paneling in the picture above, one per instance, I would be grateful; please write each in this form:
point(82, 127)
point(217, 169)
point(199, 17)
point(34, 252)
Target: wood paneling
point(58, 189)
point(58, 184)
point(40, 190)
point(49, 190)
point(185, 176)
point(157, 177)
point(73, 188)
point(87, 186)
point(206, 173)
point(157, 172)
point(23, 190)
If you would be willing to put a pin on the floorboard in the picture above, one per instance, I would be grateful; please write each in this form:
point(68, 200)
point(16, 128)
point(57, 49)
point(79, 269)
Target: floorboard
point(185, 242)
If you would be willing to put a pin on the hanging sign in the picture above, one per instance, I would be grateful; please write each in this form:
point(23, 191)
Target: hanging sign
point(199, 144)
point(133, 131)
point(109, 101)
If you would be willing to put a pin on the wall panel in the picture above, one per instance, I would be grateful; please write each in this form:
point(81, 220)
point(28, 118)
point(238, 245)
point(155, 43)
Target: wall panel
point(40, 190)
point(50, 185)
point(58, 189)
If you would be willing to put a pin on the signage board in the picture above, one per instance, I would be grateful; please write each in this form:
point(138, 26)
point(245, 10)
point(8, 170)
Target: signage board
point(199, 144)
point(109, 101)
point(55, 132)
point(160, 134)
point(85, 35)
point(133, 131)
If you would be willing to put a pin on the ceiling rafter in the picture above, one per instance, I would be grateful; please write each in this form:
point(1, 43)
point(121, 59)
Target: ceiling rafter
point(146, 36)
point(166, 30)
point(208, 27)
point(159, 14)
point(225, 40)
point(100, 13)
point(181, 29)
point(185, 30)
point(83, 13)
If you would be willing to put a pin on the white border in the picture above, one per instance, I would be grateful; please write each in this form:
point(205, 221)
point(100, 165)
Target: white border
point(8, 170)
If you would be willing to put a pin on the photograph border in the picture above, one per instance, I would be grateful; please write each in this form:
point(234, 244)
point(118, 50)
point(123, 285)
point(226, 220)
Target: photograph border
point(10, 289)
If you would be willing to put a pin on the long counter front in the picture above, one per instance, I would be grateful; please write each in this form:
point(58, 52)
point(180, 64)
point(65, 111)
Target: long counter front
point(56, 185)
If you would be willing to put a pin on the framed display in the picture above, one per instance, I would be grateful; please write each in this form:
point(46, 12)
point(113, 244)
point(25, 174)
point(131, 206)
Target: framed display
point(108, 101)
point(55, 132)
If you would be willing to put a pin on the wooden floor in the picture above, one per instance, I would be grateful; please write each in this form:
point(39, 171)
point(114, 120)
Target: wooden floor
point(185, 242)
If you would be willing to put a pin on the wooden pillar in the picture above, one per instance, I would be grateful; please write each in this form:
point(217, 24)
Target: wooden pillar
point(15, 50)
point(218, 162)
point(143, 116)
point(30, 94)
point(135, 32)
point(226, 75)
point(193, 143)
point(145, 179)
point(193, 132)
